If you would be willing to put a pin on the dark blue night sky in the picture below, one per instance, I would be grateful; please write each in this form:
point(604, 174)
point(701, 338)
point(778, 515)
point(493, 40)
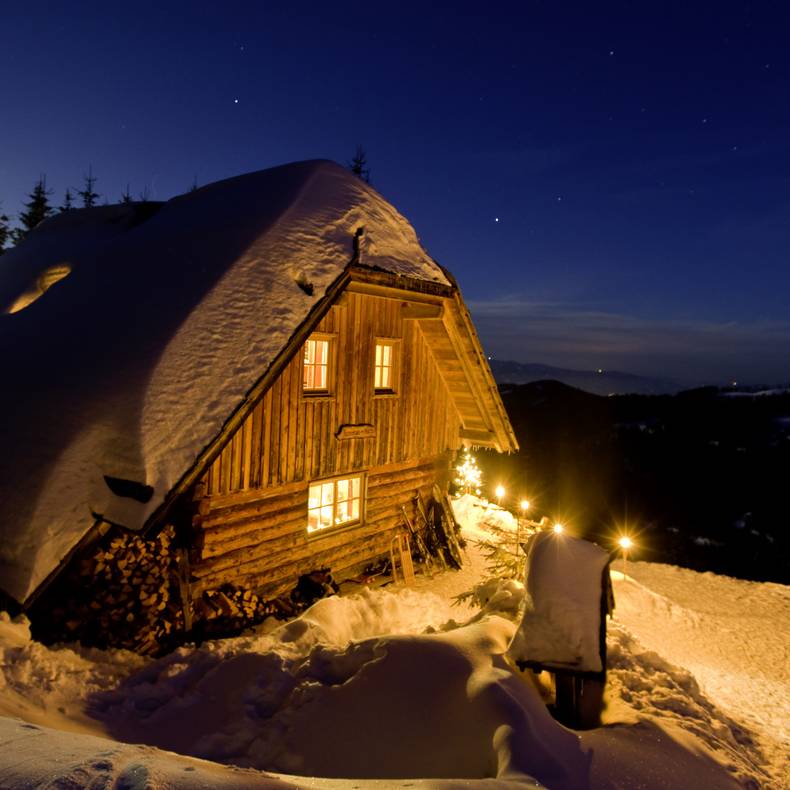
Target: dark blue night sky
point(609, 182)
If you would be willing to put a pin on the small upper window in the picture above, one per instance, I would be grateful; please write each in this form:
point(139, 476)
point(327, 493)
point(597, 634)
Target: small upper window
point(316, 366)
point(384, 368)
point(333, 502)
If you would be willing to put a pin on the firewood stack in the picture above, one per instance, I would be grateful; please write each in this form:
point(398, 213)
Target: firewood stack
point(231, 609)
point(125, 593)
point(121, 594)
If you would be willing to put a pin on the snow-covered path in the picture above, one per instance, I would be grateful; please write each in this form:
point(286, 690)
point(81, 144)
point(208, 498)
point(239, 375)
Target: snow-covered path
point(733, 636)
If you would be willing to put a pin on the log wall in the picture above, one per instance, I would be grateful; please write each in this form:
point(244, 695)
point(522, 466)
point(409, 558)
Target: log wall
point(261, 542)
point(251, 526)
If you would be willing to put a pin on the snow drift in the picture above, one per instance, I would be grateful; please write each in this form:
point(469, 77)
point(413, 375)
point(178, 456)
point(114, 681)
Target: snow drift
point(388, 688)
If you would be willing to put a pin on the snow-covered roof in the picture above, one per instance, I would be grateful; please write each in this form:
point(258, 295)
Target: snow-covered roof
point(152, 323)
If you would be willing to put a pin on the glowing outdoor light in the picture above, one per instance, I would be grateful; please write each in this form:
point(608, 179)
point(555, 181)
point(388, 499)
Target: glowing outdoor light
point(524, 505)
point(625, 544)
point(500, 492)
point(558, 528)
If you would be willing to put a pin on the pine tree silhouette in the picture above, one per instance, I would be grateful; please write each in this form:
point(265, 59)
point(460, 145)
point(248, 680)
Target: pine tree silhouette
point(126, 196)
point(358, 165)
point(38, 209)
point(5, 232)
point(88, 194)
point(68, 201)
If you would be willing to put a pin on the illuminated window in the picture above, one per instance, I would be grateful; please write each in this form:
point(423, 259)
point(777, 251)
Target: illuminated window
point(384, 368)
point(333, 502)
point(316, 366)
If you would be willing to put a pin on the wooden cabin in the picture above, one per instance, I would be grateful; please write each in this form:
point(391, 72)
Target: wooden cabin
point(370, 408)
point(369, 379)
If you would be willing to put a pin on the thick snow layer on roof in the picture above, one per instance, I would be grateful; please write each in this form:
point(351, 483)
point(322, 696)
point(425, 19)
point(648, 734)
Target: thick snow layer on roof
point(562, 616)
point(167, 315)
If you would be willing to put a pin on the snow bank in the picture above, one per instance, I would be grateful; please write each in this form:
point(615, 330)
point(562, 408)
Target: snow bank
point(324, 695)
point(662, 702)
point(374, 688)
point(130, 365)
point(385, 690)
point(48, 685)
point(562, 616)
point(732, 638)
point(479, 519)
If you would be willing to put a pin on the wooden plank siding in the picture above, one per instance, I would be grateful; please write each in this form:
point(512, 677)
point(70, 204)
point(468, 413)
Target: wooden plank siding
point(262, 543)
point(251, 528)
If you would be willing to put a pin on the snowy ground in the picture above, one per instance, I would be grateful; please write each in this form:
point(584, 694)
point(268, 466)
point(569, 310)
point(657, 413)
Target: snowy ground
point(732, 636)
point(401, 688)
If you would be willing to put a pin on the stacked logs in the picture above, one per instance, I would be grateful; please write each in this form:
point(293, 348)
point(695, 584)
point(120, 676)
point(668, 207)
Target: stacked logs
point(123, 593)
point(230, 610)
point(127, 592)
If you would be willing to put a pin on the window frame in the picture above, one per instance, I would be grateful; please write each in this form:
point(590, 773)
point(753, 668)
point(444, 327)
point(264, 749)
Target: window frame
point(332, 528)
point(394, 388)
point(316, 392)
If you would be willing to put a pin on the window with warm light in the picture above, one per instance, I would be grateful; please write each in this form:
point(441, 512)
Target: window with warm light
point(384, 367)
point(315, 377)
point(332, 503)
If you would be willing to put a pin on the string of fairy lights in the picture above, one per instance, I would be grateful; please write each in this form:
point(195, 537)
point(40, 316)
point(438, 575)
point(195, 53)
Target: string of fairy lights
point(469, 480)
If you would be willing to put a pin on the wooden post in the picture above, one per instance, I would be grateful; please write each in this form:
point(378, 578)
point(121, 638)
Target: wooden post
point(184, 588)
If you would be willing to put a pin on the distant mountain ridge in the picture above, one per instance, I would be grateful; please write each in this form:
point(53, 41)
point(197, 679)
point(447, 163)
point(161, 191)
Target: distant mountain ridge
point(603, 382)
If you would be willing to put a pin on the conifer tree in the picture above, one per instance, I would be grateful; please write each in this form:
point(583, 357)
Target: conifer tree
point(5, 232)
point(359, 165)
point(37, 210)
point(68, 201)
point(88, 194)
point(126, 196)
point(468, 476)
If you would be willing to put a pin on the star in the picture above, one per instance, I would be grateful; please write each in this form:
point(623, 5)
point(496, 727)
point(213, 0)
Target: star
point(496, 219)
point(235, 101)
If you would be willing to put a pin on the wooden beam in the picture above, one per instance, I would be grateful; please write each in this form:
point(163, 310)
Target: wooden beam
point(420, 311)
point(487, 438)
point(389, 286)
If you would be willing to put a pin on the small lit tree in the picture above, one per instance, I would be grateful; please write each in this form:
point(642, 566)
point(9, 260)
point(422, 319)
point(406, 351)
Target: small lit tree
point(468, 476)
